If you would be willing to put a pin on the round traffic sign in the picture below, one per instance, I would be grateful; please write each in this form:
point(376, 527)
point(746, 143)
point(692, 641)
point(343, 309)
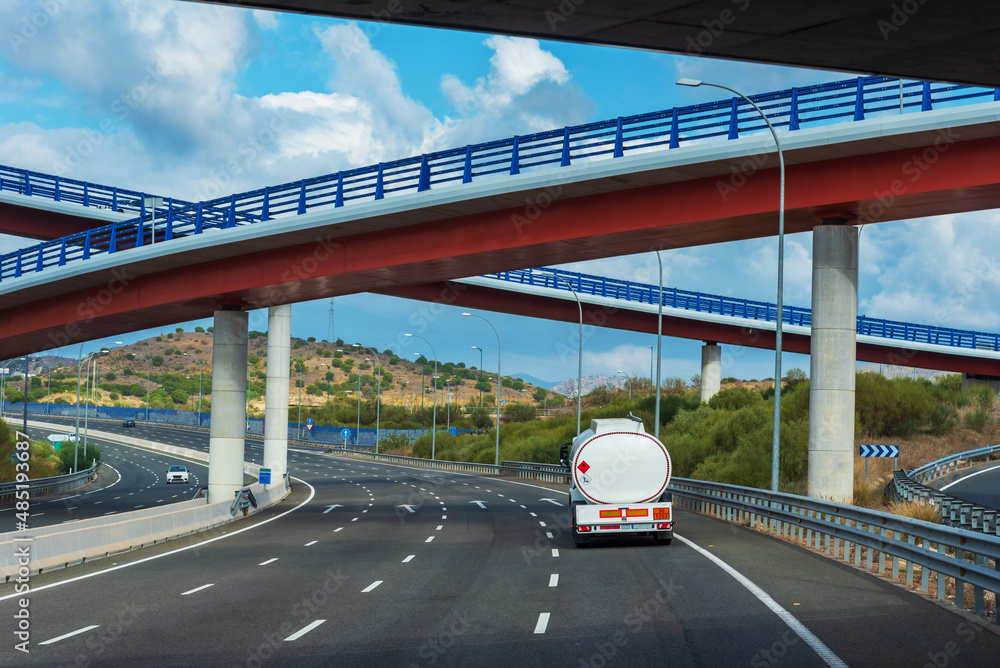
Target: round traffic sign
point(345, 433)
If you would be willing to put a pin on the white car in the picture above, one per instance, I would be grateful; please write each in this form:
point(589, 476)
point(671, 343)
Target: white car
point(177, 473)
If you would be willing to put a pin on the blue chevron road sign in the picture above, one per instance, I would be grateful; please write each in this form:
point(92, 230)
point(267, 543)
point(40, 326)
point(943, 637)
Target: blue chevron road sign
point(879, 450)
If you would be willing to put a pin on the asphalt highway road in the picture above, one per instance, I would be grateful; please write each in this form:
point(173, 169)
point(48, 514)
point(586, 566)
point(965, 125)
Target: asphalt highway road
point(370, 564)
point(980, 485)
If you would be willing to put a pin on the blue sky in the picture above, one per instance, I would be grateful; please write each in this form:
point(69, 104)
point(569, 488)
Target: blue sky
point(185, 84)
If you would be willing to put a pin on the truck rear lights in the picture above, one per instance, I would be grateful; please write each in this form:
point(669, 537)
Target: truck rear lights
point(664, 526)
point(584, 528)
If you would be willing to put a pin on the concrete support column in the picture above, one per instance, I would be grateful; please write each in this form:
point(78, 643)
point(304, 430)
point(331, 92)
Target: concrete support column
point(229, 400)
point(832, 360)
point(711, 370)
point(279, 345)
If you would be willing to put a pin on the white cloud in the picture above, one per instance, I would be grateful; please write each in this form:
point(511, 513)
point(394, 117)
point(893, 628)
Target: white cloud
point(265, 19)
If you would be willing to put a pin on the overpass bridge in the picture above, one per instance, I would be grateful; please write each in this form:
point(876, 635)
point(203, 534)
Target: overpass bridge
point(674, 178)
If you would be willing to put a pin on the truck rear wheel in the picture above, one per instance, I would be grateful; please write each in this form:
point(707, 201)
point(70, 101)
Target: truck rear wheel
point(578, 540)
point(663, 537)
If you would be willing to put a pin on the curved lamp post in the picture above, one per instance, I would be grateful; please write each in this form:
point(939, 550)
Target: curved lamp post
point(776, 439)
point(579, 369)
point(357, 439)
point(630, 378)
point(378, 401)
point(479, 373)
point(434, 411)
point(496, 456)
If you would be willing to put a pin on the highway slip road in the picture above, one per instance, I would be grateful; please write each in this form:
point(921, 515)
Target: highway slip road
point(370, 564)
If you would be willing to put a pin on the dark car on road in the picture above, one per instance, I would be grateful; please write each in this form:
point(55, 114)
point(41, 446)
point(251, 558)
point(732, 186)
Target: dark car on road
point(128, 423)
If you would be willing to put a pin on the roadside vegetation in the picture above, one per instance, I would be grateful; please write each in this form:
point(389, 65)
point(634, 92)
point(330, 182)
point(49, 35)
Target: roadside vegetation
point(45, 461)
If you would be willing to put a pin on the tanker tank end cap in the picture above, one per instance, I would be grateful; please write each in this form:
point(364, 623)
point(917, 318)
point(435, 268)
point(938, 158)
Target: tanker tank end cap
point(634, 418)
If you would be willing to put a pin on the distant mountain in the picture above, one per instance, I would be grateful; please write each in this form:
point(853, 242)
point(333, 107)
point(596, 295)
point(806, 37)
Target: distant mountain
point(534, 380)
point(567, 388)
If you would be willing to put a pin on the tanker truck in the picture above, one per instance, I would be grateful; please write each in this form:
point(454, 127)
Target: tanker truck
point(618, 482)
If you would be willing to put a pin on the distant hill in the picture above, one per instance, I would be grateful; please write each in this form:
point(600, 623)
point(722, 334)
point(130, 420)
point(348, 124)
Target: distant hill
point(535, 380)
point(568, 387)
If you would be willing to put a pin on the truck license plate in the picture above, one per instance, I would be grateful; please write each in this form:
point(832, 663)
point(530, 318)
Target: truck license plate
point(642, 527)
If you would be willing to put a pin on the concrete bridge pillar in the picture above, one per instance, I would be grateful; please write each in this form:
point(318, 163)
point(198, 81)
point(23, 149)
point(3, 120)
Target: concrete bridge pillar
point(229, 397)
point(279, 339)
point(711, 370)
point(832, 360)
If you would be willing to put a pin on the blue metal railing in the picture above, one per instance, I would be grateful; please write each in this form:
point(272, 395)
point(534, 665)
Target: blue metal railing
point(792, 108)
point(83, 193)
point(644, 293)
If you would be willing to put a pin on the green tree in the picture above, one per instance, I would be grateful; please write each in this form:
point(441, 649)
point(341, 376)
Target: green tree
point(157, 360)
point(179, 396)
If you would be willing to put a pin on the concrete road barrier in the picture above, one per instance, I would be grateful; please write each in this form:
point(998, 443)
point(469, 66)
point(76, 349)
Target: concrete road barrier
point(62, 545)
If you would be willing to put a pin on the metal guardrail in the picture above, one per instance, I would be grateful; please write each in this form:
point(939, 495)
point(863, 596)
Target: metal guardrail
point(955, 511)
point(645, 293)
point(51, 485)
point(243, 501)
point(816, 106)
point(945, 465)
point(460, 467)
point(534, 466)
point(916, 552)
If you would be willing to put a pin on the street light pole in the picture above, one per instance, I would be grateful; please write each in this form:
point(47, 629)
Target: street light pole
point(776, 434)
point(627, 382)
point(659, 346)
point(650, 367)
point(357, 437)
point(579, 370)
point(434, 412)
point(496, 455)
point(479, 374)
point(298, 420)
point(378, 400)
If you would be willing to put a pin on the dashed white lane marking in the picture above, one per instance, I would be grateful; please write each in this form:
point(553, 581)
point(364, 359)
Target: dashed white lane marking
point(439, 527)
point(69, 635)
point(523, 506)
point(355, 519)
point(542, 523)
point(555, 552)
point(444, 517)
point(191, 591)
point(815, 643)
point(269, 561)
point(554, 580)
point(371, 586)
point(542, 623)
point(338, 529)
point(409, 558)
point(429, 539)
point(548, 534)
point(304, 630)
point(312, 542)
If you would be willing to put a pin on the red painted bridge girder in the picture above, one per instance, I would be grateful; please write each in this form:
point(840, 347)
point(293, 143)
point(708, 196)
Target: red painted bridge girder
point(949, 178)
point(548, 308)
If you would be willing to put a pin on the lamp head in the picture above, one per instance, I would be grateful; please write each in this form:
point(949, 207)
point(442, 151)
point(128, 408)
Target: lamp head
point(689, 82)
point(466, 314)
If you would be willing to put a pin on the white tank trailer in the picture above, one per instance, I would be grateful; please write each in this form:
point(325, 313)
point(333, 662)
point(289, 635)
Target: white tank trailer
point(618, 482)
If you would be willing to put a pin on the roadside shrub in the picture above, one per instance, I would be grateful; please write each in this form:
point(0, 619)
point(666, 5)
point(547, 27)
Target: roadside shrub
point(976, 420)
point(892, 407)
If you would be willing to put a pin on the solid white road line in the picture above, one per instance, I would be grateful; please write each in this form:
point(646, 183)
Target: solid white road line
point(543, 622)
point(269, 561)
point(824, 652)
point(409, 558)
point(70, 634)
point(971, 475)
point(371, 586)
point(554, 580)
point(191, 591)
point(304, 630)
